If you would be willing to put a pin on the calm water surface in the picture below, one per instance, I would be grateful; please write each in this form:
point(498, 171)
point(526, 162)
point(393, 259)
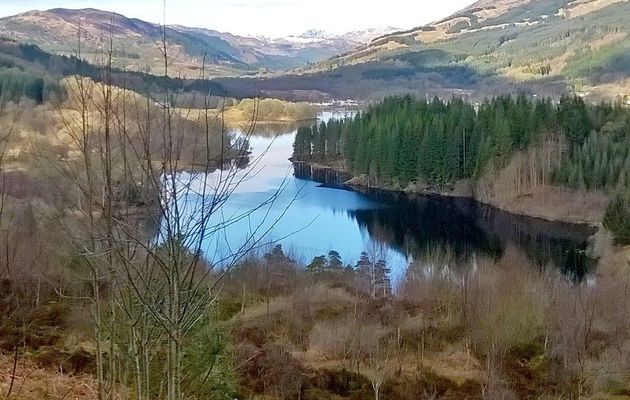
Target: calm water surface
point(310, 218)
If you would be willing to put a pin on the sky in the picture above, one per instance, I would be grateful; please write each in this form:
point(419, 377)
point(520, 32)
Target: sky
point(271, 18)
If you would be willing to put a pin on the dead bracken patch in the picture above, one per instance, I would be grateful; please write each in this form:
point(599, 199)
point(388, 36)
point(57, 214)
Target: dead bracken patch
point(34, 382)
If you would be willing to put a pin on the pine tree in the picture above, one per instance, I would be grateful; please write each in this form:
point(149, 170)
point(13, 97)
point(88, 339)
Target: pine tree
point(302, 144)
point(334, 261)
point(617, 217)
point(317, 266)
point(503, 144)
point(574, 119)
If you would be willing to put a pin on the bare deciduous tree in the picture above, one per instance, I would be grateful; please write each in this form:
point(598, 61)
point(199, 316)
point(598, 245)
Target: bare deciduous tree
point(149, 183)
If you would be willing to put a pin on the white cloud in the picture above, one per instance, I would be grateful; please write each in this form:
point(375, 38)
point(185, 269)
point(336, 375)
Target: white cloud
point(265, 17)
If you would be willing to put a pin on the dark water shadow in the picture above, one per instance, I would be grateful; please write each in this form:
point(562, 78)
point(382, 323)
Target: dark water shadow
point(416, 225)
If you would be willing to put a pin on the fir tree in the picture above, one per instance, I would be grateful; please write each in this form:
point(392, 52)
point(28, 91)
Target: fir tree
point(617, 218)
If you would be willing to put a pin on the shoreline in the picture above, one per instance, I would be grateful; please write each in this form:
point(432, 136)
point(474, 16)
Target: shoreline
point(445, 195)
point(360, 184)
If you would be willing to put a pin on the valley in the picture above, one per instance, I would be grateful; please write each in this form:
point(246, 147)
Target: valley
point(433, 212)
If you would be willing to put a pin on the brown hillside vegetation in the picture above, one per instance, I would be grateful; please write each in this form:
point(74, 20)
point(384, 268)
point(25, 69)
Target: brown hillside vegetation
point(579, 8)
point(109, 289)
point(48, 129)
point(503, 330)
point(31, 381)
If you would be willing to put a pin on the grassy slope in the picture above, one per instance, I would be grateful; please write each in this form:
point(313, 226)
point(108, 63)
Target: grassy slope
point(501, 332)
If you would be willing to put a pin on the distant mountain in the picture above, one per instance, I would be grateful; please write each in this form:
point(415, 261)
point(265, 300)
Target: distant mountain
point(135, 40)
point(544, 47)
point(366, 36)
point(314, 34)
point(287, 52)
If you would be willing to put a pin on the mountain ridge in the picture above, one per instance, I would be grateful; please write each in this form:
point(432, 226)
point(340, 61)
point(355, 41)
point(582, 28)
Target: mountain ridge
point(226, 54)
point(541, 47)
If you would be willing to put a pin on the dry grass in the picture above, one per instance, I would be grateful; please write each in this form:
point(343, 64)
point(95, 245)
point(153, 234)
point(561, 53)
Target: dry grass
point(458, 366)
point(560, 204)
point(607, 91)
point(579, 8)
point(503, 328)
point(485, 10)
point(431, 36)
point(312, 300)
point(33, 382)
point(495, 8)
point(501, 308)
point(248, 111)
point(49, 135)
point(608, 40)
point(340, 327)
point(523, 187)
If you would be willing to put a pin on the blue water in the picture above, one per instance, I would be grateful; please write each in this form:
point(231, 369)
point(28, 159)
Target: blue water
point(270, 206)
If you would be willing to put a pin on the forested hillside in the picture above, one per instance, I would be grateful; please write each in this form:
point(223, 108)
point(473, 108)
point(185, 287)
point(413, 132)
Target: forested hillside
point(493, 47)
point(29, 71)
point(16, 84)
point(18, 80)
point(405, 140)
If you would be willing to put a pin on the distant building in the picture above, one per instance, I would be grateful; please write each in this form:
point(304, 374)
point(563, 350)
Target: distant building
point(348, 103)
point(582, 94)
